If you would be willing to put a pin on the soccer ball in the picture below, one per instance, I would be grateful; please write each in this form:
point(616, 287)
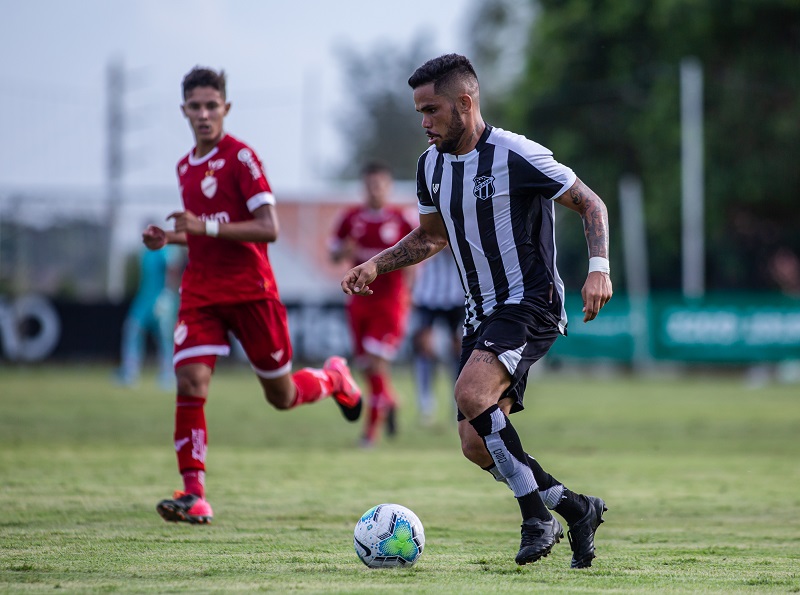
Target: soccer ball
point(388, 535)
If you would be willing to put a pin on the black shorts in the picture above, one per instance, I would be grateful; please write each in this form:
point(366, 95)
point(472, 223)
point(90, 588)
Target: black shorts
point(426, 317)
point(519, 335)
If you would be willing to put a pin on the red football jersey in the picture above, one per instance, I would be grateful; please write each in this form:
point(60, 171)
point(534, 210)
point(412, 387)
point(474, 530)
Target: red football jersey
point(373, 231)
point(226, 185)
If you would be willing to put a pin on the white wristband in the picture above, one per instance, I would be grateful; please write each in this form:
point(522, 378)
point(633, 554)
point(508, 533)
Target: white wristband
point(599, 264)
point(212, 228)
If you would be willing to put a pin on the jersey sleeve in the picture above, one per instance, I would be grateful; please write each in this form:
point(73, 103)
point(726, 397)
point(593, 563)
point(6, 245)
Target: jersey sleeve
point(537, 173)
point(424, 199)
point(252, 180)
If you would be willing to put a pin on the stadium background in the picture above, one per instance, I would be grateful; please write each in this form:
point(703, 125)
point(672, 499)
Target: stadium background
point(696, 227)
point(678, 404)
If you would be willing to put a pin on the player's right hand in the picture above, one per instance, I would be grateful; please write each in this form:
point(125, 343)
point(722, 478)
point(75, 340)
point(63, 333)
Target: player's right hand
point(357, 279)
point(154, 238)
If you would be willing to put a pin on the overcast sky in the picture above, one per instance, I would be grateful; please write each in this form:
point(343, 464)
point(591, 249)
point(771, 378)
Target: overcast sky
point(284, 79)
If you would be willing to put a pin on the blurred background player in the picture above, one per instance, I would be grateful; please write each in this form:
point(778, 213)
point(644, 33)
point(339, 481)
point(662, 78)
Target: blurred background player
point(228, 286)
point(152, 312)
point(377, 324)
point(438, 297)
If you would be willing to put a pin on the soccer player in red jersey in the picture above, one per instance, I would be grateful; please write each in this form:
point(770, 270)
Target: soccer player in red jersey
point(377, 323)
point(228, 220)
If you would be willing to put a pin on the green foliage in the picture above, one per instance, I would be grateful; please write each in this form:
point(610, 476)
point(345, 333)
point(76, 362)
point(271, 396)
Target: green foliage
point(700, 476)
point(600, 88)
point(379, 120)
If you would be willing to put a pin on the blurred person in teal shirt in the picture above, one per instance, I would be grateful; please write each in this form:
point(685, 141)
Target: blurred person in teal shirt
point(153, 310)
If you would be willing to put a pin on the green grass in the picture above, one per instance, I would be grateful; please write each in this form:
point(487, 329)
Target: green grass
point(702, 477)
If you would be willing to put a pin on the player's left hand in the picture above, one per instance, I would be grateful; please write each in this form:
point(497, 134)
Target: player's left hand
point(596, 292)
point(188, 222)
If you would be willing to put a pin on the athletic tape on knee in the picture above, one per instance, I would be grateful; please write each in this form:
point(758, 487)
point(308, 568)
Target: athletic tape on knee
point(490, 421)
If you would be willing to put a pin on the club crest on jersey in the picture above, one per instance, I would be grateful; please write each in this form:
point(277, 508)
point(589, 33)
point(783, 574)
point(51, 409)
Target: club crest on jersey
point(484, 187)
point(209, 185)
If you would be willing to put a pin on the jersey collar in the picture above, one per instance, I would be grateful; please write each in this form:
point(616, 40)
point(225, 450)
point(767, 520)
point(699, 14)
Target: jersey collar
point(474, 152)
point(199, 161)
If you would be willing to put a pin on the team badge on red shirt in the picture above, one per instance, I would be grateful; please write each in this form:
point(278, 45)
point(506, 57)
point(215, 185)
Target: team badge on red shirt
point(209, 185)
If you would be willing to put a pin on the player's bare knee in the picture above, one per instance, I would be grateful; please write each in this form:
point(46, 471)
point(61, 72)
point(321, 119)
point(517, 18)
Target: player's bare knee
point(466, 397)
point(192, 384)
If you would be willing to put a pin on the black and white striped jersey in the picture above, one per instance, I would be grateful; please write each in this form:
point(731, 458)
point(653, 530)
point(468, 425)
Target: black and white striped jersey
point(437, 284)
point(496, 203)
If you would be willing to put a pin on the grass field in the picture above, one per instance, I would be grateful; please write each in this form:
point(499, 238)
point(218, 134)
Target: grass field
point(702, 478)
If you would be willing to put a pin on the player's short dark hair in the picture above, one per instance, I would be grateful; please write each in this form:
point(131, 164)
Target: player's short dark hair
point(375, 166)
point(200, 76)
point(443, 72)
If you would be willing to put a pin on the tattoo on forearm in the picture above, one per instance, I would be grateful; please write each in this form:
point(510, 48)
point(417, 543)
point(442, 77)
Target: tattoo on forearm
point(413, 248)
point(576, 195)
point(595, 225)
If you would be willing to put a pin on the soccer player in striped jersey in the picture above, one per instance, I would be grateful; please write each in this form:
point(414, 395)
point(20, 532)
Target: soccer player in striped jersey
point(489, 194)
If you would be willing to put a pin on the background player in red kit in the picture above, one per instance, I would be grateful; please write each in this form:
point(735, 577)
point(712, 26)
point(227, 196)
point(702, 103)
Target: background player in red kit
point(377, 325)
point(228, 286)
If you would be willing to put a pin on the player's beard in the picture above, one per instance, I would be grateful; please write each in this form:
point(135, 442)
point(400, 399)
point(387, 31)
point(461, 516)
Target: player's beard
point(455, 132)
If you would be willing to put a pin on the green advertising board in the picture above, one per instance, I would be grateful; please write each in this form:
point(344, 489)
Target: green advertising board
point(735, 328)
point(720, 328)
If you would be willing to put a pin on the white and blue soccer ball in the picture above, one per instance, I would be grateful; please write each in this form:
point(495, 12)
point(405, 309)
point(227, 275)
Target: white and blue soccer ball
point(389, 535)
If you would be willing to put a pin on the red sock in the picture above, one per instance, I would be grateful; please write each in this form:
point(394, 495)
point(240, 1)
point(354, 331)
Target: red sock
point(194, 482)
point(382, 386)
point(191, 441)
point(311, 385)
point(377, 392)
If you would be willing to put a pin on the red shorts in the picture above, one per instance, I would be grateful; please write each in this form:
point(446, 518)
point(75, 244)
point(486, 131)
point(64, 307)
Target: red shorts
point(378, 326)
point(260, 326)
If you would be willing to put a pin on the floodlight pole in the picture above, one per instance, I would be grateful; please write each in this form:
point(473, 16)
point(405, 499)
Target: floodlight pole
point(692, 182)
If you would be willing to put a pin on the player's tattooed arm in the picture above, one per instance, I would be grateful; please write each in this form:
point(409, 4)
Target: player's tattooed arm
point(423, 242)
point(582, 199)
point(412, 249)
point(597, 290)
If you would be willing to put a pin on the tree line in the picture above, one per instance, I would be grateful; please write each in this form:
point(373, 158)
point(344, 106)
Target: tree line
point(597, 82)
